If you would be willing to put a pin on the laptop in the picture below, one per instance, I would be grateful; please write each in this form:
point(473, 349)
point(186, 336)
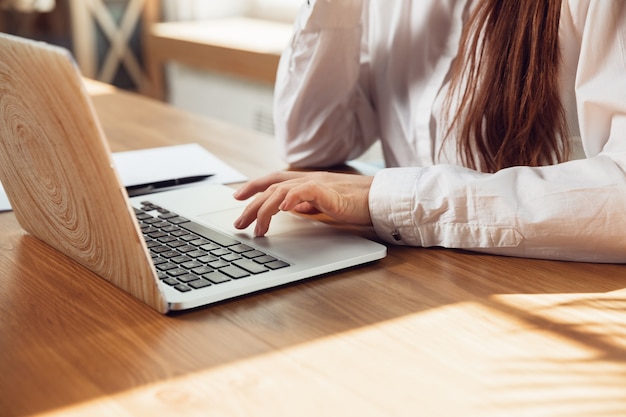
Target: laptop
point(173, 250)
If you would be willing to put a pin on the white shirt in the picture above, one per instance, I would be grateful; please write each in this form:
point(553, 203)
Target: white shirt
point(361, 70)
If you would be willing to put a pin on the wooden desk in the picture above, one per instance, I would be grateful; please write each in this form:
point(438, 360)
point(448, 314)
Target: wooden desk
point(424, 332)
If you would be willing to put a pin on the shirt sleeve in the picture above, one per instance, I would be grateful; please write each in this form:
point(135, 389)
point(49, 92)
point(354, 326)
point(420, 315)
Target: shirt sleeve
point(570, 211)
point(322, 112)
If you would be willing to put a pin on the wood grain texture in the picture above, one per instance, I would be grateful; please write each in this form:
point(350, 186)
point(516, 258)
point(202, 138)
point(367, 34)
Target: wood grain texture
point(424, 332)
point(57, 171)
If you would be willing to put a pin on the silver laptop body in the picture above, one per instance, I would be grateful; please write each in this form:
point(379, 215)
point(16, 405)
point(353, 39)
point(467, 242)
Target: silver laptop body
point(57, 170)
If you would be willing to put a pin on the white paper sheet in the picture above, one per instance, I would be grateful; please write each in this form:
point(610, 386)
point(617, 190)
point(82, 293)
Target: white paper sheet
point(4, 200)
point(171, 162)
point(165, 163)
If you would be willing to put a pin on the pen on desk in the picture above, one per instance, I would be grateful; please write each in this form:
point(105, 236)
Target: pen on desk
point(139, 189)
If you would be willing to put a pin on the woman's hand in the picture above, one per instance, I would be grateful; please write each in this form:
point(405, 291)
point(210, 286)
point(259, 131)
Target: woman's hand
point(343, 197)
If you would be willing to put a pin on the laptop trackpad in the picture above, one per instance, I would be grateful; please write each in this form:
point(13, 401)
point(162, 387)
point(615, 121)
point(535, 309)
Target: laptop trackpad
point(282, 224)
point(301, 241)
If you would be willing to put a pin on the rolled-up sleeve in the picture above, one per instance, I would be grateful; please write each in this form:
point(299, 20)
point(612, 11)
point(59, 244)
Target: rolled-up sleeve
point(571, 211)
point(322, 112)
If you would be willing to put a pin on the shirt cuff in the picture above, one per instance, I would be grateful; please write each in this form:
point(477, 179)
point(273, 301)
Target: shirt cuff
point(392, 201)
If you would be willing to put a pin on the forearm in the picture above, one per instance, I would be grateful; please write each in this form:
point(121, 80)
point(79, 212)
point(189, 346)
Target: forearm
point(571, 211)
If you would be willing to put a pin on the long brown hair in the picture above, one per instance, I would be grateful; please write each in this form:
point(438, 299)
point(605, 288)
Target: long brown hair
point(506, 76)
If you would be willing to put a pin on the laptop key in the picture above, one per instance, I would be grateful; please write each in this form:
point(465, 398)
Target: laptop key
point(200, 242)
point(186, 248)
point(199, 283)
point(170, 254)
point(166, 266)
point(241, 248)
point(178, 220)
point(216, 277)
point(196, 253)
point(177, 271)
point(250, 266)
point(176, 244)
point(218, 264)
point(156, 260)
point(187, 278)
point(211, 246)
point(202, 270)
point(212, 235)
point(220, 252)
point(191, 264)
point(231, 257)
point(181, 259)
point(264, 259)
point(160, 249)
point(207, 258)
point(234, 272)
point(182, 288)
point(276, 264)
point(253, 254)
point(176, 231)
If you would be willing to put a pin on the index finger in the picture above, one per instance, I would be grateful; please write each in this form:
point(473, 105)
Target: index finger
point(262, 183)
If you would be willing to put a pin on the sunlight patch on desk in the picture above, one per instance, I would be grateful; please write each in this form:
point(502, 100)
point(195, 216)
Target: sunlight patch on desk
point(597, 321)
point(583, 373)
point(521, 360)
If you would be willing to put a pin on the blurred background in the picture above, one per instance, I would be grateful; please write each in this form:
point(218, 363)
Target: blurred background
point(216, 58)
point(212, 57)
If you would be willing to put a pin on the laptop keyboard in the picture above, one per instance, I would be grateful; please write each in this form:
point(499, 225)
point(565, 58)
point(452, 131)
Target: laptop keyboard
point(190, 256)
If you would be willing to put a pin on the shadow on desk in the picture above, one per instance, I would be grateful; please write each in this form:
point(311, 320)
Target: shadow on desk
point(71, 338)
